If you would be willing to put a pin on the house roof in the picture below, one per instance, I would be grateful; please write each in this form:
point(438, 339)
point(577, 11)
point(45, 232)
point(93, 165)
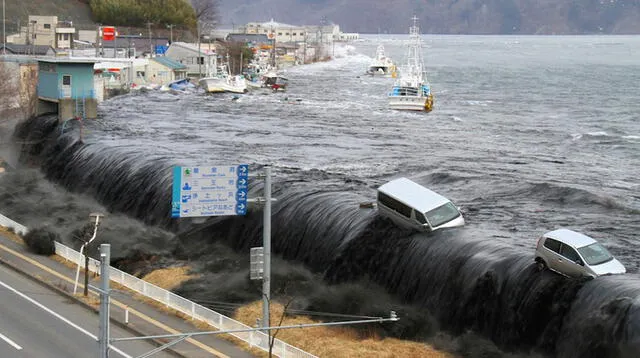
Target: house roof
point(77, 60)
point(206, 49)
point(167, 62)
point(39, 50)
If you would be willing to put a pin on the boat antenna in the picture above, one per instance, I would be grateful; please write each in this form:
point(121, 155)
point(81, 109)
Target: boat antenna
point(415, 48)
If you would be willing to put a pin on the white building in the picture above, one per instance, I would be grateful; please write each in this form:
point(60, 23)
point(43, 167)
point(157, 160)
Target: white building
point(45, 30)
point(197, 59)
point(299, 34)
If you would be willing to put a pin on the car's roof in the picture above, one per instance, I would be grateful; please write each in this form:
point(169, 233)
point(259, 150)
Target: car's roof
point(413, 194)
point(570, 237)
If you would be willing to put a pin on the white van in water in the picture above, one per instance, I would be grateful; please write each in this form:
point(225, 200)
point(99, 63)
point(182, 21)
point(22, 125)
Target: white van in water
point(410, 204)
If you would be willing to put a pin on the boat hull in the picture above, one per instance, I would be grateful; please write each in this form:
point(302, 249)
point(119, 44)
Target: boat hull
point(383, 71)
point(411, 103)
point(221, 85)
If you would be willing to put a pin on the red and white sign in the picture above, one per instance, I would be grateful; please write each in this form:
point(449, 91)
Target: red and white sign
point(108, 33)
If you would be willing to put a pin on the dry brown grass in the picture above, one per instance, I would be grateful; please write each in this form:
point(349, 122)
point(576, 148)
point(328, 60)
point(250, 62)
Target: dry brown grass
point(11, 235)
point(335, 341)
point(338, 342)
point(169, 278)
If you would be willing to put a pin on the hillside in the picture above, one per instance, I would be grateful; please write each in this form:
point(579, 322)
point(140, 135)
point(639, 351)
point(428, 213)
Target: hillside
point(563, 17)
point(17, 12)
point(446, 16)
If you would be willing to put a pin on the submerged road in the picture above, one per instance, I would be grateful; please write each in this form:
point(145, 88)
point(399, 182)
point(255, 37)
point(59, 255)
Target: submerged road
point(37, 322)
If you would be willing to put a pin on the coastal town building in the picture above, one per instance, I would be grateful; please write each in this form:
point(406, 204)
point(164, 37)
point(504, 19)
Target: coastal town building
point(196, 57)
point(45, 31)
point(68, 87)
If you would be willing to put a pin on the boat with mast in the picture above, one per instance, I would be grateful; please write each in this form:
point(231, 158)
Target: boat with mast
point(219, 80)
point(412, 91)
point(381, 64)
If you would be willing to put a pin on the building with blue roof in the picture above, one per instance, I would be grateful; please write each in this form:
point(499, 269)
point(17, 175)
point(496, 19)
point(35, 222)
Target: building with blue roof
point(163, 70)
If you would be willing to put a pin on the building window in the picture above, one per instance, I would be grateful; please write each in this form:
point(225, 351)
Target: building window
point(47, 26)
point(66, 80)
point(66, 37)
point(286, 33)
point(279, 33)
point(294, 34)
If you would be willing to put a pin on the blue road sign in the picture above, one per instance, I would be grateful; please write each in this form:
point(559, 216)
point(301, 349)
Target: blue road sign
point(210, 191)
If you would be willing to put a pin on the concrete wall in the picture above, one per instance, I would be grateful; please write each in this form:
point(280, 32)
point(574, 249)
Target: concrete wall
point(43, 107)
point(71, 108)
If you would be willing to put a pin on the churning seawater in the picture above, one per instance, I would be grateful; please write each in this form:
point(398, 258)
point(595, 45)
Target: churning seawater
point(528, 134)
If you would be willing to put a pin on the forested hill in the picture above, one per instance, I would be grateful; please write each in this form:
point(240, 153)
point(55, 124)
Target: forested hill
point(563, 17)
point(566, 17)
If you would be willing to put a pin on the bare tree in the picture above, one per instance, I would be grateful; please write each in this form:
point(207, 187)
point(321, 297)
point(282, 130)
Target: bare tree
point(206, 12)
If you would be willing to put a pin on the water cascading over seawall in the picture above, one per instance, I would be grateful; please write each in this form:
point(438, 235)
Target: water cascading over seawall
point(467, 282)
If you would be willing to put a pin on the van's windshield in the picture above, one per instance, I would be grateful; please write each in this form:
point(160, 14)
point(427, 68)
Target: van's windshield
point(595, 254)
point(442, 214)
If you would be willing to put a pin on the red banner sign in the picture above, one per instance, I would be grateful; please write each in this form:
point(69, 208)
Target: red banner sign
point(108, 33)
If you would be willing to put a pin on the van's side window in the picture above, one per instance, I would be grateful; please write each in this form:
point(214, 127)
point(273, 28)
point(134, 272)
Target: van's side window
point(553, 245)
point(569, 253)
point(394, 204)
point(420, 217)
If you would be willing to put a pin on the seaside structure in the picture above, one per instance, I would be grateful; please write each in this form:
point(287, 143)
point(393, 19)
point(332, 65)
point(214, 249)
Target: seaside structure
point(67, 86)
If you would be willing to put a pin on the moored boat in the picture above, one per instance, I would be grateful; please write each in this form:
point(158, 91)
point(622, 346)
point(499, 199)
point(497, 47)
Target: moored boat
point(219, 80)
point(412, 91)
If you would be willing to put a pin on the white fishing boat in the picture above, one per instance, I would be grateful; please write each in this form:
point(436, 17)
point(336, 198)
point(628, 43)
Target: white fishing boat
point(219, 80)
point(381, 64)
point(412, 91)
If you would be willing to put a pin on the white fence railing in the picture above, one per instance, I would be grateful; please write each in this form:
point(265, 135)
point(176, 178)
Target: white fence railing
point(17, 228)
point(189, 308)
point(171, 300)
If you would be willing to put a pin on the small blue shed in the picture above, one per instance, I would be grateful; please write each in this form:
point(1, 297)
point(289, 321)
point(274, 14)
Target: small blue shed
point(66, 85)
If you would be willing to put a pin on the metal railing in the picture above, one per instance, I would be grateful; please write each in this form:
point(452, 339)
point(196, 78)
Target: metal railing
point(173, 301)
point(183, 305)
point(17, 228)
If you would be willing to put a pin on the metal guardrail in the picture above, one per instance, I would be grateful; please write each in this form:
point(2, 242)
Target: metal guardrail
point(189, 308)
point(17, 228)
point(173, 301)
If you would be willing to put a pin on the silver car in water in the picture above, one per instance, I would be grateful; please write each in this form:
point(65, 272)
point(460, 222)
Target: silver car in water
point(574, 254)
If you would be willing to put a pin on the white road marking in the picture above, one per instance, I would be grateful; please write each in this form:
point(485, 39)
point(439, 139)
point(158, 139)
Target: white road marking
point(58, 316)
point(6, 339)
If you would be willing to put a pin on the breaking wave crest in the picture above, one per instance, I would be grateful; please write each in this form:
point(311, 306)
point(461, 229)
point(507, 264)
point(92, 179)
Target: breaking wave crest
point(466, 282)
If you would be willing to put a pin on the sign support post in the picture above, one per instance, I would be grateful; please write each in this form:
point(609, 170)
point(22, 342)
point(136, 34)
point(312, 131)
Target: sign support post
point(266, 237)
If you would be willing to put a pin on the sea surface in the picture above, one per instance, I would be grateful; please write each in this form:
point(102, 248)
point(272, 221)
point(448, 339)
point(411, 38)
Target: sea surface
point(528, 134)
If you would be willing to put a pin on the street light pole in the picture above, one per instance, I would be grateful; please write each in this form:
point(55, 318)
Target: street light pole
point(170, 26)
point(86, 261)
point(4, 32)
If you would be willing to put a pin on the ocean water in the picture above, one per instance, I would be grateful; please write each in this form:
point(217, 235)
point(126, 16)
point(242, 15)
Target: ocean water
point(528, 134)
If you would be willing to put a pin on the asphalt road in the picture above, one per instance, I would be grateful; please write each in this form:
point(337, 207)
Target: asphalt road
point(37, 322)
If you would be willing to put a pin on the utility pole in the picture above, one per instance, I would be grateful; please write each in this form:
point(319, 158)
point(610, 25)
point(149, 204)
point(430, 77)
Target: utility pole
point(4, 30)
point(266, 237)
point(150, 44)
point(170, 27)
point(97, 39)
point(199, 51)
point(103, 338)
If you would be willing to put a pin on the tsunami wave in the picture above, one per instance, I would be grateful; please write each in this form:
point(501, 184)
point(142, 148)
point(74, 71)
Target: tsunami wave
point(467, 283)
